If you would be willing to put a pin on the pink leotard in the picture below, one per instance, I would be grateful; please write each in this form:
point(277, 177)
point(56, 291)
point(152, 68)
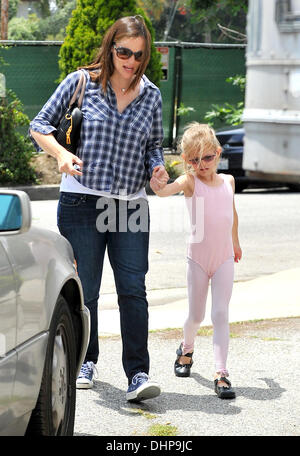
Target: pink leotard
point(216, 246)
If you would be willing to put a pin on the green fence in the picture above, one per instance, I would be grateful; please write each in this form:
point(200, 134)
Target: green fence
point(195, 75)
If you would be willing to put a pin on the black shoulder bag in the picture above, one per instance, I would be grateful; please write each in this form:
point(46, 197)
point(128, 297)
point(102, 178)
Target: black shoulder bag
point(68, 129)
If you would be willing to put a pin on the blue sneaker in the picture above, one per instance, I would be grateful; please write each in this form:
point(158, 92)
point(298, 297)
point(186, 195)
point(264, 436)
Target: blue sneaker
point(141, 388)
point(85, 377)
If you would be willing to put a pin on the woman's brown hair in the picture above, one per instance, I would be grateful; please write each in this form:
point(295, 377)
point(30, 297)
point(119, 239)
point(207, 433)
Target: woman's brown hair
point(130, 27)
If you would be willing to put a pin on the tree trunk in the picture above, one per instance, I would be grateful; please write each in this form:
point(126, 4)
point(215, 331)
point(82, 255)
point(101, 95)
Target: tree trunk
point(207, 33)
point(4, 19)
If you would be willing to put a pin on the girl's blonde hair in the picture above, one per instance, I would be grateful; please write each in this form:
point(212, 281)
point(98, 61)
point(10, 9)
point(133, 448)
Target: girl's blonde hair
point(196, 139)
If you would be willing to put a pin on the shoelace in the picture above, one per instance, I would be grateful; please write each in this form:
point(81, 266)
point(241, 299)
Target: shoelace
point(138, 377)
point(86, 369)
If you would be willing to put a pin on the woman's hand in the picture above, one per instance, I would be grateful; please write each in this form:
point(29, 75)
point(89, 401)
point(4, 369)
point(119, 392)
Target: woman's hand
point(69, 163)
point(65, 159)
point(159, 178)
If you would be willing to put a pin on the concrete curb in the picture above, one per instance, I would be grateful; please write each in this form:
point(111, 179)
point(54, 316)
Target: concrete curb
point(48, 192)
point(38, 192)
point(272, 296)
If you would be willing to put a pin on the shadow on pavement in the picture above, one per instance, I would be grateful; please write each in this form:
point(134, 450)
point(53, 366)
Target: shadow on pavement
point(114, 398)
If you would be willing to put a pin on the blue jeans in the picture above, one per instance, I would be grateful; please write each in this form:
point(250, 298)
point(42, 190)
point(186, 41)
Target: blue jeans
point(79, 221)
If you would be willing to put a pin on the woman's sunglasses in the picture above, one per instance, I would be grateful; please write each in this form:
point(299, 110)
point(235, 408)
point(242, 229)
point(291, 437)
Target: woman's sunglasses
point(124, 53)
point(206, 159)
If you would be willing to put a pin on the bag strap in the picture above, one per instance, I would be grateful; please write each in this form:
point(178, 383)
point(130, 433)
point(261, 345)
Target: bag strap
point(81, 82)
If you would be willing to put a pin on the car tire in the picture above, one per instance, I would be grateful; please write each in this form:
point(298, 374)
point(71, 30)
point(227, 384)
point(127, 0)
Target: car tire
point(55, 409)
point(239, 187)
point(294, 187)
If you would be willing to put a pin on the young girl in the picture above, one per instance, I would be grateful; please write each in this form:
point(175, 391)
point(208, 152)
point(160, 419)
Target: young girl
point(211, 256)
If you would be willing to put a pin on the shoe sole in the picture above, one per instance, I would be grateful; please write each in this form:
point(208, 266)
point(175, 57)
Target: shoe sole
point(182, 374)
point(225, 394)
point(143, 393)
point(84, 385)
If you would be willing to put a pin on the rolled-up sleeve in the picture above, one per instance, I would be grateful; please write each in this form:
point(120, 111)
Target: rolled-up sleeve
point(154, 150)
point(49, 116)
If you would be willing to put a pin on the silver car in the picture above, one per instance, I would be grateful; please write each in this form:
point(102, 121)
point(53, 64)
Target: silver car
point(44, 325)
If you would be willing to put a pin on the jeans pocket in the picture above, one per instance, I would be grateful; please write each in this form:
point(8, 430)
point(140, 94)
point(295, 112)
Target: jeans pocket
point(71, 199)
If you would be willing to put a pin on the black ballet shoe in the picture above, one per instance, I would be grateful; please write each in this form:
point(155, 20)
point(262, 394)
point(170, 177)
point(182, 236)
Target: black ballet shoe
point(182, 370)
point(224, 392)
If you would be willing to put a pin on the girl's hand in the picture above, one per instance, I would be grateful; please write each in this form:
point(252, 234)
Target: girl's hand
point(237, 252)
point(69, 163)
point(159, 178)
point(154, 185)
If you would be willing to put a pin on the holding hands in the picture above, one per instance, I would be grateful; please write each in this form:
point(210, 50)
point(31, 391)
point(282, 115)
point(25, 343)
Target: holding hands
point(159, 178)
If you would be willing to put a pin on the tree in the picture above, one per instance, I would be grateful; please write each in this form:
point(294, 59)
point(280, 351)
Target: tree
point(88, 24)
point(196, 20)
point(44, 8)
point(12, 8)
point(54, 26)
point(165, 15)
point(21, 28)
point(48, 27)
point(61, 3)
point(213, 7)
point(153, 8)
point(228, 13)
point(16, 150)
point(4, 19)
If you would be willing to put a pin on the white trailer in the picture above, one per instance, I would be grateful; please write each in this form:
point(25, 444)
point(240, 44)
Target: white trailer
point(272, 105)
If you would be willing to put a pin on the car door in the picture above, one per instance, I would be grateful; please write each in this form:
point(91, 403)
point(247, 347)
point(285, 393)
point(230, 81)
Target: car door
point(8, 317)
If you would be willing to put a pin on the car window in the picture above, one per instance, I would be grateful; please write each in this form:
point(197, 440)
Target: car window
point(10, 213)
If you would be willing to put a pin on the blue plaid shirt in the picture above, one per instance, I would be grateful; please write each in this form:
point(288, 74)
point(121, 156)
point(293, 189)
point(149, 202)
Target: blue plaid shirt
point(119, 151)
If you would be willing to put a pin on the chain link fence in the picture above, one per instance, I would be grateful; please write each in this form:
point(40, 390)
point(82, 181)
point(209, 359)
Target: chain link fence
point(194, 74)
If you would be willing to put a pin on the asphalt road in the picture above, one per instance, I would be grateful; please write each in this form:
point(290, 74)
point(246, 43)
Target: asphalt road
point(263, 361)
point(264, 356)
point(268, 229)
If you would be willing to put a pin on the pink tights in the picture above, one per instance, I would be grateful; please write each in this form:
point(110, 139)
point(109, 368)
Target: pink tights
point(221, 290)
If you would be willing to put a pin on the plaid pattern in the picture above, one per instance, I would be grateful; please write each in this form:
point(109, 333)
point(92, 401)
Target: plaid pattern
point(119, 151)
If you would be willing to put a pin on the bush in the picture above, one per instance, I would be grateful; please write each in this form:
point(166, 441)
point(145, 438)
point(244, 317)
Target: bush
point(51, 27)
point(228, 113)
point(16, 150)
point(20, 28)
point(88, 24)
point(173, 168)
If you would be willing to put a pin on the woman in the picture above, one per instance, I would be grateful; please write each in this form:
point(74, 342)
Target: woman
point(120, 149)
